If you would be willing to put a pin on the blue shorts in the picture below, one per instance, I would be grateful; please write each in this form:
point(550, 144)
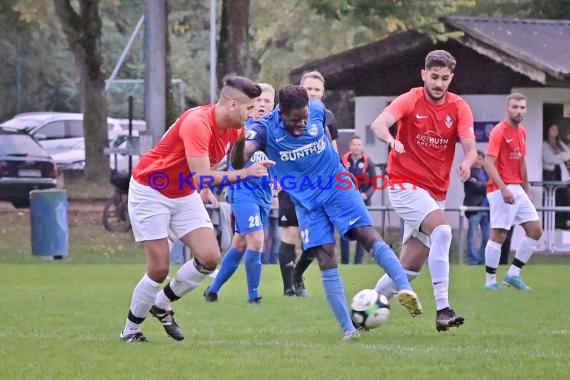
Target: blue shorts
point(250, 216)
point(343, 209)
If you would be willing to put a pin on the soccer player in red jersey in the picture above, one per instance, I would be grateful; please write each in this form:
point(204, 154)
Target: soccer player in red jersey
point(429, 121)
point(164, 201)
point(509, 196)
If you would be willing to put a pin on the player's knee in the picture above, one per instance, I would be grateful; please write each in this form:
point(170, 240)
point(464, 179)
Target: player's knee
point(209, 260)
point(326, 258)
point(441, 234)
point(158, 274)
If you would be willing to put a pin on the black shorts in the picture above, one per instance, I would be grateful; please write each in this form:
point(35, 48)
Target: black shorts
point(287, 214)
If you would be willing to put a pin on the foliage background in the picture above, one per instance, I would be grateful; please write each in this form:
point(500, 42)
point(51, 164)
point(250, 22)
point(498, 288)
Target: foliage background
point(38, 72)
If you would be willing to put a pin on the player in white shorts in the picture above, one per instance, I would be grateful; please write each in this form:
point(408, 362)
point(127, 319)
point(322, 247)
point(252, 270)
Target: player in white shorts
point(430, 119)
point(163, 202)
point(508, 194)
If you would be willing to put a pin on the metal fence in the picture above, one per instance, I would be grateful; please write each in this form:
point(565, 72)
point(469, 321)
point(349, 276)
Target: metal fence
point(547, 237)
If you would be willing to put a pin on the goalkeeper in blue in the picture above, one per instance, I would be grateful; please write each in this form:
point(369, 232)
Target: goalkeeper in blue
point(309, 169)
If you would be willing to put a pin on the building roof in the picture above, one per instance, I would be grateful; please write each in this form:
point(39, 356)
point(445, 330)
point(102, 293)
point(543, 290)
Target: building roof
point(529, 53)
point(544, 44)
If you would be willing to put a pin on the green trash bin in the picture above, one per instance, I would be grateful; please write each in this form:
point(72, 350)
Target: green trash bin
point(48, 214)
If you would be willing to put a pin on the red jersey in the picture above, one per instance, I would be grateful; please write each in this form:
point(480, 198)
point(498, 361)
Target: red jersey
point(508, 144)
point(429, 133)
point(194, 134)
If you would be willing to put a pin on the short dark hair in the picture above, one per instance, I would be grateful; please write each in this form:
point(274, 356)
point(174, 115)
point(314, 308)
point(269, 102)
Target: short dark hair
point(515, 96)
point(292, 97)
point(440, 58)
point(242, 84)
point(480, 153)
point(355, 137)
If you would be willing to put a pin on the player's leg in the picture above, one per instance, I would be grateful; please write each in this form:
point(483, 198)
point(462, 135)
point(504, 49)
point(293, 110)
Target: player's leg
point(437, 227)
point(493, 257)
point(502, 217)
point(289, 239)
point(344, 251)
point(527, 217)
point(317, 234)
point(413, 255)
point(190, 223)
point(485, 225)
point(387, 260)
point(254, 239)
point(150, 219)
point(228, 266)
point(301, 266)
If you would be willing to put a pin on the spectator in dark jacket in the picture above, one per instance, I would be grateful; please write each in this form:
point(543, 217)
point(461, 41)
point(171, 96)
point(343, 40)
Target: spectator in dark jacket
point(357, 162)
point(476, 195)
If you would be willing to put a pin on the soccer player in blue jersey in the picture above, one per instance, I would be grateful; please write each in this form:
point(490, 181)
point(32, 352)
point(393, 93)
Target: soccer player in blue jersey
point(293, 135)
point(250, 202)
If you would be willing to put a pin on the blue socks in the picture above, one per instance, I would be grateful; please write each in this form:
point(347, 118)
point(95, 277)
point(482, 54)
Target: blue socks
point(230, 263)
point(253, 272)
point(386, 258)
point(334, 290)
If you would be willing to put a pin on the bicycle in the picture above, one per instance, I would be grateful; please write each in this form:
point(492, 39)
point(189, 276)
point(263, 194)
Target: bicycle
point(116, 212)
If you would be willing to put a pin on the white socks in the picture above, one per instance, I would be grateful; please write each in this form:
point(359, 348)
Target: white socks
point(387, 287)
point(523, 254)
point(141, 302)
point(438, 263)
point(492, 258)
point(186, 279)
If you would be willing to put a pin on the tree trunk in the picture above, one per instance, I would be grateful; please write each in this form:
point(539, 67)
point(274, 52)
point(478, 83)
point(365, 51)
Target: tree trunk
point(233, 46)
point(171, 107)
point(83, 33)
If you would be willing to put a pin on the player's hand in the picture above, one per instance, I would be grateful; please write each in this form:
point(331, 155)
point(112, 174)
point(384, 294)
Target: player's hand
point(364, 196)
point(208, 197)
point(464, 171)
point(396, 145)
point(508, 197)
point(259, 169)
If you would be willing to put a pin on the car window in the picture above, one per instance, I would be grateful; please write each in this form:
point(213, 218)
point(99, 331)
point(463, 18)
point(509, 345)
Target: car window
point(20, 144)
point(75, 128)
point(53, 130)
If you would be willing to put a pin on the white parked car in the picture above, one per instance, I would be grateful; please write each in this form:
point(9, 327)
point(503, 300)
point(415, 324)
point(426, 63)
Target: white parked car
point(61, 134)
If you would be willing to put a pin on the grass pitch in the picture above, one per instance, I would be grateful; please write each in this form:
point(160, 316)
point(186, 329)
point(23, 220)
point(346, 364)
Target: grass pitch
point(62, 321)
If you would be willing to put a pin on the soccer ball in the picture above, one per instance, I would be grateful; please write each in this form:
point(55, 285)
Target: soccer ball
point(369, 309)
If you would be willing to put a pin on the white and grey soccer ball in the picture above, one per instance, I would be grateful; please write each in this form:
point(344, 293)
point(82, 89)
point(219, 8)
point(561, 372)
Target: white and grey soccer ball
point(369, 309)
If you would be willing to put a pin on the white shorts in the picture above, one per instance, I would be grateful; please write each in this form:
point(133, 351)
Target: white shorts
point(413, 205)
point(504, 215)
point(154, 216)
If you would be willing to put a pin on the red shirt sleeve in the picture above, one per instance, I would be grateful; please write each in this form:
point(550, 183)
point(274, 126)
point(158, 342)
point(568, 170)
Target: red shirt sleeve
point(402, 105)
point(495, 138)
point(196, 134)
point(465, 123)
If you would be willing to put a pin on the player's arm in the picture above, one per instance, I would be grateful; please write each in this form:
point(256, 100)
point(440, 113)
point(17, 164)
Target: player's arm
point(493, 174)
point(381, 128)
point(469, 157)
point(253, 140)
point(201, 167)
point(524, 174)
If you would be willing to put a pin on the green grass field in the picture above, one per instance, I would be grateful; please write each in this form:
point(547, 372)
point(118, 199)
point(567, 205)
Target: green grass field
point(61, 321)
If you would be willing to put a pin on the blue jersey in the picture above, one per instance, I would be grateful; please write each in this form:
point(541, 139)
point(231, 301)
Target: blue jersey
point(307, 166)
point(257, 191)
